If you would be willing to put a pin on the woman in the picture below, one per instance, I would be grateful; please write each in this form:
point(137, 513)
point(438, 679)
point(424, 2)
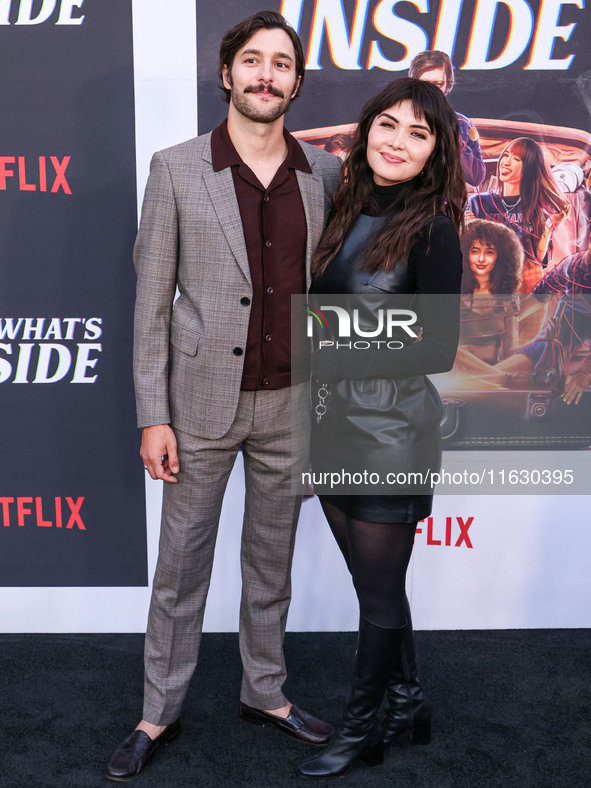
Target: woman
point(492, 353)
point(493, 259)
point(492, 263)
point(530, 202)
point(393, 230)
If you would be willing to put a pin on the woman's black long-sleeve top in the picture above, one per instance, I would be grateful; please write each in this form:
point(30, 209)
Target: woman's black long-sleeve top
point(434, 266)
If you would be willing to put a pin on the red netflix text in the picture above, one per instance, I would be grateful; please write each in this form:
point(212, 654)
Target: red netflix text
point(29, 174)
point(453, 534)
point(26, 511)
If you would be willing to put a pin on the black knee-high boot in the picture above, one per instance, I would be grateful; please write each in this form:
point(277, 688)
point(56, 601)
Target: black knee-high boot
point(357, 737)
point(408, 709)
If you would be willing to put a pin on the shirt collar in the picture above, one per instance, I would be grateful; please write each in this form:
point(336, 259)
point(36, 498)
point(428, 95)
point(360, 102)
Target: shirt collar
point(224, 154)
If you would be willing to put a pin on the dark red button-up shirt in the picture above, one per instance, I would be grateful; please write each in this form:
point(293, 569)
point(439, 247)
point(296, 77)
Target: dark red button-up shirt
point(274, 225)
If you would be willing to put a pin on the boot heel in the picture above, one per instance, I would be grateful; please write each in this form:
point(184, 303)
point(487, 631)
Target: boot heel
point(374, 755)
point(421, 734)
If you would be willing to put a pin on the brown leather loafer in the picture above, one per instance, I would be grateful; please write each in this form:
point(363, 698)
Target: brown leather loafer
point(136, 751)
point(298, 723)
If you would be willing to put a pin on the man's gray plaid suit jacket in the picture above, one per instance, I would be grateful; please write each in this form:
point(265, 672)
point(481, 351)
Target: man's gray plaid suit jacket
point(185, 369)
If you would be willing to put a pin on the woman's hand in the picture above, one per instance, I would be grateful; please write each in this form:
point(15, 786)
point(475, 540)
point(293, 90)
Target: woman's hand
point(556, 219)
point(552, 223)
point(549, 330)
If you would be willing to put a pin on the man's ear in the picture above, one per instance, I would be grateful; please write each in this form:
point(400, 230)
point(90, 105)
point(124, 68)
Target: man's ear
point(296, 87)
point(227, 77)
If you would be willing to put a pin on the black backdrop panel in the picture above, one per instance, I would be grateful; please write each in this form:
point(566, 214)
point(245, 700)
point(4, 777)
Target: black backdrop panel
point(72, 510)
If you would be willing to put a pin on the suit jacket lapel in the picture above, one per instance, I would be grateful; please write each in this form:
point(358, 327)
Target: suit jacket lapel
point(220, 186)
point(312, 191)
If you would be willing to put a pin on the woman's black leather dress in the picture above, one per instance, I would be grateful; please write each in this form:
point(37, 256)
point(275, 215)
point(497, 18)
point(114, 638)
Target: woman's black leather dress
point(383, 414)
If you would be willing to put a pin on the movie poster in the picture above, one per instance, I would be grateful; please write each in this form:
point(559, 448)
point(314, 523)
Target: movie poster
point(520, 81)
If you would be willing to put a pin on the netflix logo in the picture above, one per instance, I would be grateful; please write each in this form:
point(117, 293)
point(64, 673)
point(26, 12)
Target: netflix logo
point(29, 511)
point(451, 533)
point(28, 174)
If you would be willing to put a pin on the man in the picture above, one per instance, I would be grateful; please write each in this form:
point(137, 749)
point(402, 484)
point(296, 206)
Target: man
point(231, 219)
point(435, 67)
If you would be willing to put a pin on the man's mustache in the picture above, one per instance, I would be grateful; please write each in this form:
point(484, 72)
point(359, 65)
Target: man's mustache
point(268, 88)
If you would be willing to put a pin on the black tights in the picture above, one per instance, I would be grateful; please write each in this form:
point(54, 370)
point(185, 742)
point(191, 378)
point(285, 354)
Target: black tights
point(377, 555)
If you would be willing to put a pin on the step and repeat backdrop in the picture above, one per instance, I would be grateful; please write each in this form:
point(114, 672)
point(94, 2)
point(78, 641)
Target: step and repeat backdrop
point(89, 90)
point(72, 494)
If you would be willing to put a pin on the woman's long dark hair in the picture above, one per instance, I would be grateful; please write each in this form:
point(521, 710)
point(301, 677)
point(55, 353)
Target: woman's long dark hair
point(540, 194)
point(439, 188)
point(505, 277)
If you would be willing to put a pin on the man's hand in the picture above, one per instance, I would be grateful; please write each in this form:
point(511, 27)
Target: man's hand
point(575, 385)
point(158, 451)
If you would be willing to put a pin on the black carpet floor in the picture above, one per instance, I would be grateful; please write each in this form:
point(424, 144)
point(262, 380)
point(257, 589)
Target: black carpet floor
point(511, 709)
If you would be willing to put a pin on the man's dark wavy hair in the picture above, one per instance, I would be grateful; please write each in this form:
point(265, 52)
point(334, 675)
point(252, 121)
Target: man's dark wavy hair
point(238, 35)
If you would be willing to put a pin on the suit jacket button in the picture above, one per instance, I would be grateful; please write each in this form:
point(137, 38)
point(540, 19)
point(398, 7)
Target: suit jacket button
point(245, 301)
point(237, 351)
